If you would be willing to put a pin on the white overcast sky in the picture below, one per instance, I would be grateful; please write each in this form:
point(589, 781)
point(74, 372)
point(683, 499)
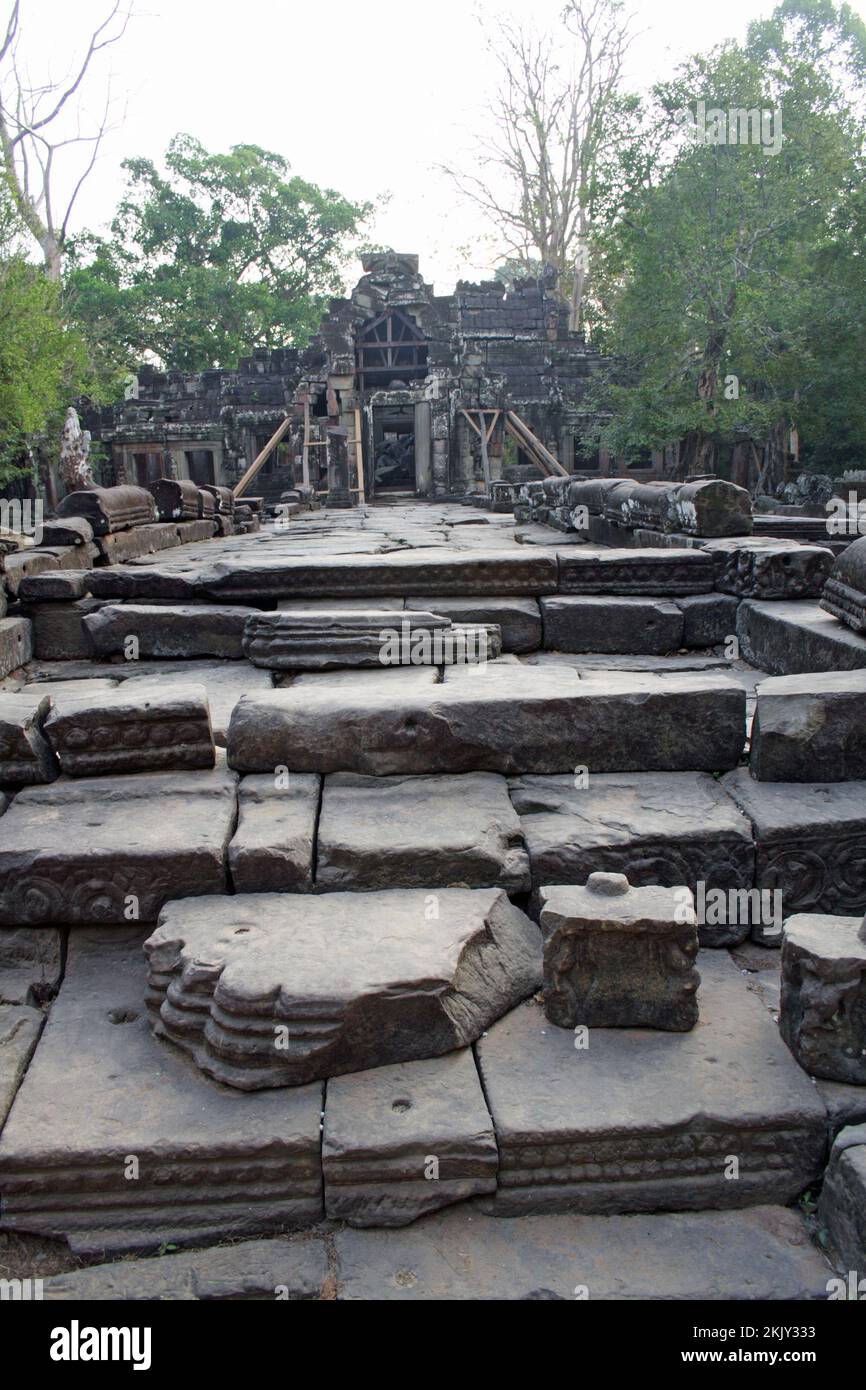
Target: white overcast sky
point(364, 96)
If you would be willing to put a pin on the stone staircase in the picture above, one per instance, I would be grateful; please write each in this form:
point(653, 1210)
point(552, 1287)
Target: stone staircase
point(346, 976)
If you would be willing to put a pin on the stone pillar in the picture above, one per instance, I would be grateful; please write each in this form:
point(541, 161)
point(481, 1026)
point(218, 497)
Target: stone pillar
point(339, 494)
point(423, 450)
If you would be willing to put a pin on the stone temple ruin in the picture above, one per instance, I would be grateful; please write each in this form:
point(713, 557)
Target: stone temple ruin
point(439, 899)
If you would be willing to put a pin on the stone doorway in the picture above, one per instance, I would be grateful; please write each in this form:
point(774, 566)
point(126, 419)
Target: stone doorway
point(394, 449)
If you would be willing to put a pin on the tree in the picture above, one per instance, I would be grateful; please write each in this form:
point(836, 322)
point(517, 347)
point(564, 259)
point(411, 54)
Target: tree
point(731, 269)
point(545, 169)
point(225, 253)
point(35, 132)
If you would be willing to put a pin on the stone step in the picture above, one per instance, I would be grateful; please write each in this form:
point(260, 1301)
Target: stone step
point(618, 624)
point(787, 639)
point(758, 1255)
point(496, 718)
point(810, 728)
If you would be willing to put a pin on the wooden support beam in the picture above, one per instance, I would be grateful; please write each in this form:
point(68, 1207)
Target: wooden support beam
point(259, 462)
point(359, 457)
point(533, 445)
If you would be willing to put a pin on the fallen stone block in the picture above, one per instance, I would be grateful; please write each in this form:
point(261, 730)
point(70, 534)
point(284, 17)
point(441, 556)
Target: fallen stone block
point(224, 498)
point(721, 1116)
point(110, 508)
point(114, 849)
point(415, 832)
point(136, 729)
point(656, 828)
point(519, 619)
point(272, 847)
point(25, 754)
point(210, 1163)
point(611, 624)
point(225, 684)
point(788, 639)
point(67, 530)
point(58, 628)
point(810, 841)
point(57, 586)
point(22, 563)
point(194, 532)
point(72, 558)
point(297, 988)
point(655, 573)
point(404, 1140)
point(823, 1013)
point(708, 619)
point(844, 594)
point(760, 1254)
point(20, 1026)
point(762, 568)
point(280, 1268)
point(529, 722)
point(810, 728)
point(31, 964)
point(118, 548)
point(619, 957)
point(16, 644)
point(179, 631)
point(224, 525)
point(842, 1209)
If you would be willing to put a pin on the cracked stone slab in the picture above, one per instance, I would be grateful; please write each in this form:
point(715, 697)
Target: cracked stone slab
point(810, 843)
point(31, 964)
point(212, 1164)
point(272, 847)
point(136, 728)
point(94, 849)
point(759, 1254)
point(656, 828)
point(279, 989)
point(262, 1269)
point(639, 1120)
point(404, 1140)
point(810, 728)
point(823, 1013)
point(530, 721)
point(414, 832)
point(20, 1026)
point(623, 624)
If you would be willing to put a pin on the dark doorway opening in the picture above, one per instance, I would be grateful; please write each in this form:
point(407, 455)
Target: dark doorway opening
point(200, 465)
point(394, 450)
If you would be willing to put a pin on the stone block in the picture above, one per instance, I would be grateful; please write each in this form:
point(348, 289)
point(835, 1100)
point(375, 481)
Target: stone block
point(22, 563)
point(132, 729)
point(533, 721)
point(708, 619)
point(120, 547)
point(194, 532)
point(619, 957)
point(55, 586)
point(518, 619)
point(225, 683)
point(763, 568)
point(323, 641)
point(212, 1164)
point(611, 624)
point(651, 1121)
point(842, 1207)
point(810, 843)
point(94, 850)
point(272, 847)
point(656, 828)
point(25, 754)
point(845, 591)
point(352, 980)
point(415, 832)
point(810, 728)
point(67, 530)
point(405, 1140)
point(823, 1013)
point(16, 644)
point(652, 573)
point(788, 639)
point(178, 631)
point(58, 628)
point(110, 508)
